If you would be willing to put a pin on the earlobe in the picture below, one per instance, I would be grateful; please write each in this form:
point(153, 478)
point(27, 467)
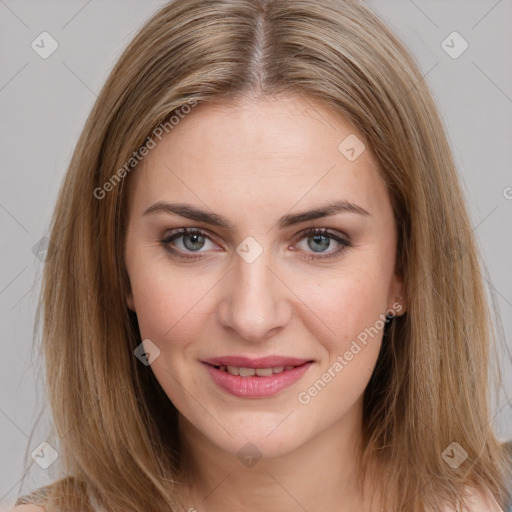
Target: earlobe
point(399, 306)
point(130, 302)
point(399, 301)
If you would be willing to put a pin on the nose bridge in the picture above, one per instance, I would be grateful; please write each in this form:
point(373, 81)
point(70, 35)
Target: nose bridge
point(255, 304)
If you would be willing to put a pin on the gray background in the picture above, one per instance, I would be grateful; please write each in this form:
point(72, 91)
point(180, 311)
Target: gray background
point(44, 103)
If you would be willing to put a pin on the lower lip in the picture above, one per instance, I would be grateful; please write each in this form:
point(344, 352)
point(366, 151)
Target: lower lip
point(256, 387)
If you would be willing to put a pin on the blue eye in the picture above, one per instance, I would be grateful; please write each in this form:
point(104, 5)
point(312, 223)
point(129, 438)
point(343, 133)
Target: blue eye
point(191, 239)
point(187, 243)
point(319, 240)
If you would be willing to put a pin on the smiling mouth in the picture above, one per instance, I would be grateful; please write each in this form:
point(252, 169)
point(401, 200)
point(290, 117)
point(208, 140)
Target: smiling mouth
point(251, 372)
point(256, 382)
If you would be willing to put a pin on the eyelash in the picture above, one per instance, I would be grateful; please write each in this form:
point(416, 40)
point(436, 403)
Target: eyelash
point(344, 243)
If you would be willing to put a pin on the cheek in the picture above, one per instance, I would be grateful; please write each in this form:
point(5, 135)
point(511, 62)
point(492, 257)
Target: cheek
point(170, 304)
point(344, 306)
point(349, 326)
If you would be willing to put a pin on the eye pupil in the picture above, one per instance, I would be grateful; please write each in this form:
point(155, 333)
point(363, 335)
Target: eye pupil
point(192, 240)
point(322, 240)
point(197, 241)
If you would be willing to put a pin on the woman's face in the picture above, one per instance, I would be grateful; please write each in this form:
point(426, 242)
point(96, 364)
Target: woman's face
point(250, 280)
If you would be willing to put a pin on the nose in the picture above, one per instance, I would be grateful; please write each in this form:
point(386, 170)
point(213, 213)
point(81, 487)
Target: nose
point(254, 305)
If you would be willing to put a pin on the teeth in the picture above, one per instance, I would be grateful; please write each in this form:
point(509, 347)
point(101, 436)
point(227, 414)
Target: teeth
point(264, 372)
point(250, 372)
point(234, 370)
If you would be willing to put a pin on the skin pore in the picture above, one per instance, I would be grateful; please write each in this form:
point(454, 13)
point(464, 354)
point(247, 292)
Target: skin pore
point(251, 163)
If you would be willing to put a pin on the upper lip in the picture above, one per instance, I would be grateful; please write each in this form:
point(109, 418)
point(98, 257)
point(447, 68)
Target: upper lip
point(259, 362)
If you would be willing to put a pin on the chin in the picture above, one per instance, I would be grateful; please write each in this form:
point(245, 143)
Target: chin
point(267, 435)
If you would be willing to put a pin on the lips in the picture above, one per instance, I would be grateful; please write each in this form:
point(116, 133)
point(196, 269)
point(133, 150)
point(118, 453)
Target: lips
point(260, 362)
point(256, 378)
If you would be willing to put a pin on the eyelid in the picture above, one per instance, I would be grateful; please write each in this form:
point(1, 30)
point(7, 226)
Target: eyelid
point(335, 234)
point(341, 238)
point(181, 231)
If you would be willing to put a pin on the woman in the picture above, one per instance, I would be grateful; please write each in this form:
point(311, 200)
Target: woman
point(316, 351)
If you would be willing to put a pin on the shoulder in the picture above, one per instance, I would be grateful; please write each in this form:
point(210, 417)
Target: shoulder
point(28, 508)
point(479, 501)
point(485, 502)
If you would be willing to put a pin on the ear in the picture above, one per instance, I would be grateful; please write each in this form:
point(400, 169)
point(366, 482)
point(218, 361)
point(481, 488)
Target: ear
point(397, 299)
point(129, 301)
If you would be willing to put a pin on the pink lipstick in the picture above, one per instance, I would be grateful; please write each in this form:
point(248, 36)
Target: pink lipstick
point(256, 377)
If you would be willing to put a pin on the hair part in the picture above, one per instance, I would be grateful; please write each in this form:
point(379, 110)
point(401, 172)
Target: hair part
point(430, 385)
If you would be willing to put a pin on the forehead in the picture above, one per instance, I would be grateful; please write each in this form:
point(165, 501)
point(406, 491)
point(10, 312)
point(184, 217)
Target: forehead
point(272, 151)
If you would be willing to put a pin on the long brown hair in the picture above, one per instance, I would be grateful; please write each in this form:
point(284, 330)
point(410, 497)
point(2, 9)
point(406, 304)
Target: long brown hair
point(115, 428)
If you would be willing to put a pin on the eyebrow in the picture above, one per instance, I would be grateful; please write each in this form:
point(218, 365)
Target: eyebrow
point(191, 212)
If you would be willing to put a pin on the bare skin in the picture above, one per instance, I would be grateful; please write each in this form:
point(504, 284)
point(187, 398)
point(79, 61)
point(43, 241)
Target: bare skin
point(252, 163)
